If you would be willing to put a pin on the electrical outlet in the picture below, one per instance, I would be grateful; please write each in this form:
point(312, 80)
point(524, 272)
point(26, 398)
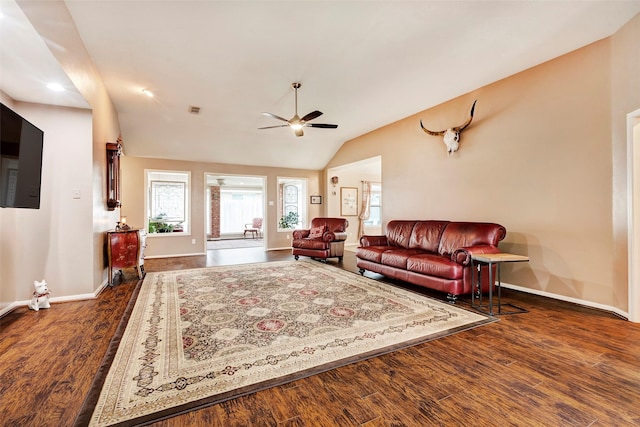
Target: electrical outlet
point(193, 241)
point(287, 237)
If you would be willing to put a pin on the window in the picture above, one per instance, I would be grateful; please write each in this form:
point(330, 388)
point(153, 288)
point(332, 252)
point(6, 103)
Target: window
point(375, 206)
point(238, 207)
point(167, 201)
point(292, 203)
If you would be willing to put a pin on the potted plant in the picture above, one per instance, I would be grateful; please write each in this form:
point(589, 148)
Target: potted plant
point(290, 220)
point(163, 227)
point(157, 224)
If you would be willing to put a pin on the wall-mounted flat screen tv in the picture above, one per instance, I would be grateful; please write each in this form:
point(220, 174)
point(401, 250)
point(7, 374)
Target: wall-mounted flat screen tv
point(20, 161)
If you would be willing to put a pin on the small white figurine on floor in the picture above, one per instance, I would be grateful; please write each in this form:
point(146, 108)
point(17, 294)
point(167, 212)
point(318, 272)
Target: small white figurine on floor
point(40, 296)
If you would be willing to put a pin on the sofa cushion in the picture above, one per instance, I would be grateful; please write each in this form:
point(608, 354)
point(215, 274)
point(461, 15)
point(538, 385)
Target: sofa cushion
point(399, 233)
point(317, 232)
point(397, 257)
point(310, 244)
point(426, 235)
point(372, 253)
point(435, 265)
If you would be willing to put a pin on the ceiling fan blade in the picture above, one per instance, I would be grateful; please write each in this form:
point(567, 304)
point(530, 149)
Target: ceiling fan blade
point(312, 115)
point(271, 127)
point(275, 117)
point(321, 125)
point(299, 132)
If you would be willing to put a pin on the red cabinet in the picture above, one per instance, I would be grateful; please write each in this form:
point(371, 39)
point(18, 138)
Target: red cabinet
point(126, 250)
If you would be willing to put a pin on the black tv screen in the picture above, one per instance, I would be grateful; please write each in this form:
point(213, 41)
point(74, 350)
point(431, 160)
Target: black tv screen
point(20, 161)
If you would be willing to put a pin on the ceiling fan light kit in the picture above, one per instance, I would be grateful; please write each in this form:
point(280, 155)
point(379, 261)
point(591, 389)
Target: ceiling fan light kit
point(296, 123)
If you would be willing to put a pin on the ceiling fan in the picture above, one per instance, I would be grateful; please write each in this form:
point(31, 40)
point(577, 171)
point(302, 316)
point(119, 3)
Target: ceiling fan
point(296, 123)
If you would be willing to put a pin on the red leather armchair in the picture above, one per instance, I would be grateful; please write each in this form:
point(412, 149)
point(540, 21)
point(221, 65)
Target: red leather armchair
point(324, 239)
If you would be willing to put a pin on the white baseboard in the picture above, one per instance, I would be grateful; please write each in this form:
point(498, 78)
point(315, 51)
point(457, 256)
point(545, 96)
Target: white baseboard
point(578, 301)
point(278, 249)
point(54, 300)
point(8, 309)
point(101, 288)
point(202, 253)
point(173, 255)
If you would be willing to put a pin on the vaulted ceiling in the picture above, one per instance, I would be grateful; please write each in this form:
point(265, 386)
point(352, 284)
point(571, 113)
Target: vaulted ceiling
point(364, 64)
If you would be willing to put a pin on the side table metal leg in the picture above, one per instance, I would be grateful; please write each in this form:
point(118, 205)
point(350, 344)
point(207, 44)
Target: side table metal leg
point(479, 283)
point(476, 283)
point(490, 289)
point(499, 289)
point(473, 286)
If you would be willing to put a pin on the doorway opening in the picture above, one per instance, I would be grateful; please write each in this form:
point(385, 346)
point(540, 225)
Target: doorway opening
point(235, 211)
point(633, 212)
point(352, 176)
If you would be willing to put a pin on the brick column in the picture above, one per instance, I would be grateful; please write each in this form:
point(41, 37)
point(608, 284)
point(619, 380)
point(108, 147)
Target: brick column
point(215, 212)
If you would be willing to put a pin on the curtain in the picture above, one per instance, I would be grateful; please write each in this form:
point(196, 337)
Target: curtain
point(365, 207)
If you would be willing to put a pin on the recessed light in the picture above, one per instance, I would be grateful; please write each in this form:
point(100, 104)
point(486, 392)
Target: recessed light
point(147, 92)
point(56, 87)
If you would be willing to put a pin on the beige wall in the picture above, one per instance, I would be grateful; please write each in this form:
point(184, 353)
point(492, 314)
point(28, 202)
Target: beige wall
point(53, 242)
point(545, 156)
point(54, 23)
point(538, 158)
point(625, 98)
point(133, 194)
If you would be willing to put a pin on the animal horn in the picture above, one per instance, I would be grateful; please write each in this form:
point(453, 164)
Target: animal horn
point(468, 122)
point(430, 132)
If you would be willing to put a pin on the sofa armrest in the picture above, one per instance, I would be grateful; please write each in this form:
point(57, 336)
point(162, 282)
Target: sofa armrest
point(334, 236)
point(300, 234)
point(373, 241)
point(463, 255)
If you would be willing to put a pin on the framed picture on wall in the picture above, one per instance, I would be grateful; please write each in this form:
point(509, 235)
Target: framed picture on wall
point(348, 201)
point(316, 200)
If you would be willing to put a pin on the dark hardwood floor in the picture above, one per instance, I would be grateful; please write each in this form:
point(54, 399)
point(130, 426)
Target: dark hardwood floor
point(557, 365)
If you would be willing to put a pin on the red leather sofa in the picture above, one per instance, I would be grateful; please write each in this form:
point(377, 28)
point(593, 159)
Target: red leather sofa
point(433, 254)
point(324, 239)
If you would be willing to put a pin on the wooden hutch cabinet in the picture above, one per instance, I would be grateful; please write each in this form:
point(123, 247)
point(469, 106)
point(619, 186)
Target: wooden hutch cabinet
point(125, 249)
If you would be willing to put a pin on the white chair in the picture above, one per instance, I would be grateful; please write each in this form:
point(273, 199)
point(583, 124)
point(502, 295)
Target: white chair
point(255, 228)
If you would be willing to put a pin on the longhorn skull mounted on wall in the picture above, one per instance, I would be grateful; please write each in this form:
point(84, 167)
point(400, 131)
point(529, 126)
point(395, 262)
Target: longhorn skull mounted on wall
point(452, 135)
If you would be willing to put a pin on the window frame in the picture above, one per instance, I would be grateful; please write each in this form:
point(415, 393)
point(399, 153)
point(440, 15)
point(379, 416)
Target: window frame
point(152, 176)
point(301, 185)
point(241, 191)
point(378, 185)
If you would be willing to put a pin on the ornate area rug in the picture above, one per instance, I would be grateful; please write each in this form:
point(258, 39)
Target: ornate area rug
point(198, 337)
